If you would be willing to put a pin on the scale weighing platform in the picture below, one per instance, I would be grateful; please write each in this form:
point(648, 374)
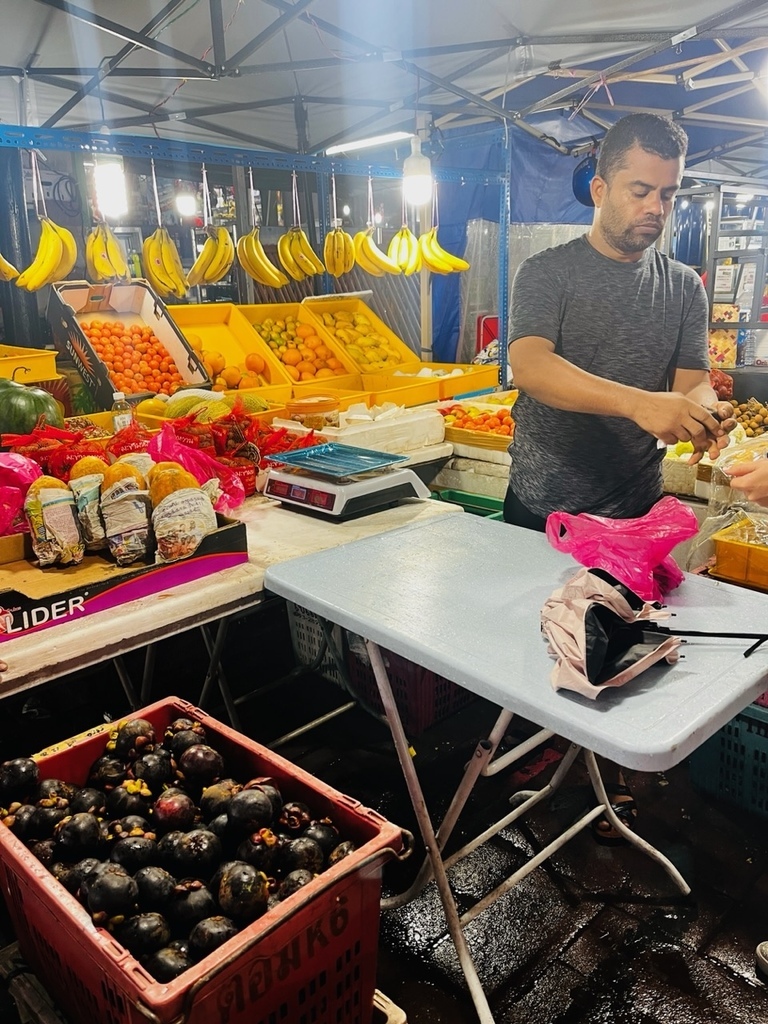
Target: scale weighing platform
point(341, 481)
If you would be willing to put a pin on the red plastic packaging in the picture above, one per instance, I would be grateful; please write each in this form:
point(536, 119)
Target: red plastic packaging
point(635, 551)
point(312, 957)
point(165, 446)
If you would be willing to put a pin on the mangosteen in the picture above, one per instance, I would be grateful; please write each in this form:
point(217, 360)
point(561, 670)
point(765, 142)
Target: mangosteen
point(196, 855)
point(131, 825)
point(134, 852)
point(107, 772)
point(167, 964)
point(84, 871)
point(340, 852)
point(24, 823)
point(267, 785)
point(166, 846)
point(48, 816)
point(190, 902)
point(110, 893)
point(259, 849)
point(77, 836)
point(184, 724)
point(155, 887)
point(157, 769)
point(132, 738)
point(294, 817)
point(43, 849)
point(201, 765)
point(242, 891)
point(294, 881)
point(143, 934)
point(66, 875)
point(18, 780)
point(209, 934)
point(89, 801)
point(52, 792)
point(325, 834)
point(302, 852)
point(249, 810)
point(131, 797)
point(174, 810)
point(214, 798)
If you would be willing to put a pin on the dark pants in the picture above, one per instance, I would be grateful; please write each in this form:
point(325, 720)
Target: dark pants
point(517, 514)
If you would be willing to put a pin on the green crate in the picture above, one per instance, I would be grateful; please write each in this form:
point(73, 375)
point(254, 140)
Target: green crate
point(733, 764)
point(477, 504)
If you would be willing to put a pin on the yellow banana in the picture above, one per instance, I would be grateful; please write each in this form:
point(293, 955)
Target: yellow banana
point(68, 253)
point(7, 270)
point(349, 251)
point(270, 274)
point(374, 254)
point(431, 261)
point(114, 253)
point(154, 266)
point(224, 258)
point(303, 246)
point(290, 266)
point(361, 258)
point(203, 261)
point(172, 264)
point(103, 269)
point(47, 259)
point(329, 255)
point(90, 266)
point(403, 250)
point(456, 263)
point(339, 252)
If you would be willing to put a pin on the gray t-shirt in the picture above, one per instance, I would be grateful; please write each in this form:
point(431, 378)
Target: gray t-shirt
point(634, 323)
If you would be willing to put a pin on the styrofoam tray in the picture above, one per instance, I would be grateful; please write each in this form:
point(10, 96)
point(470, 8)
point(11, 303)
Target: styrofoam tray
point(412, 429)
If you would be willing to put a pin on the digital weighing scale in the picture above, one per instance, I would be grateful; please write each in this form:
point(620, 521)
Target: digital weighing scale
point(342, 481)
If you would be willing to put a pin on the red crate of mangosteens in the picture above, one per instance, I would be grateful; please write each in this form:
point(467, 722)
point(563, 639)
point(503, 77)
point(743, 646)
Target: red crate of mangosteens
point(311, 957)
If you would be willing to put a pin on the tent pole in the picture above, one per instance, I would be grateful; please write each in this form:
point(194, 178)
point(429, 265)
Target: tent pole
point(425, 289)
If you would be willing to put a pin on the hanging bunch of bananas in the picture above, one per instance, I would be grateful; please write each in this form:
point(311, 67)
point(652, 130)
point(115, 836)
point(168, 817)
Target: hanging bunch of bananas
point(104, 260)
point(436, 259)
point(404, 250)
point(55, 257)
point(255, 262)
point(162, 266)
point(215, 259)
point(298, 258)
point(369, 256)
point(339, 252)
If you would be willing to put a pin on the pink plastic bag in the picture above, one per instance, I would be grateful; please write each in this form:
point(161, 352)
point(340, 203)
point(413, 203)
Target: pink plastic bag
point(166, 446)
point(17, 472)
point(635, 551)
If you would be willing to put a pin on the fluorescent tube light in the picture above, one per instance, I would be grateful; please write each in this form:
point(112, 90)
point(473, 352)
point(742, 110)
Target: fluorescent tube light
point(375, 140)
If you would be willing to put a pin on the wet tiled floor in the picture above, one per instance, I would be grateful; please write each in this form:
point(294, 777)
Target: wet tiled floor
point(598, 935)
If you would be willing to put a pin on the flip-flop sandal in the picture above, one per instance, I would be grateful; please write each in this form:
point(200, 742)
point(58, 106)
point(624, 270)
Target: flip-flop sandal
point(624, 806)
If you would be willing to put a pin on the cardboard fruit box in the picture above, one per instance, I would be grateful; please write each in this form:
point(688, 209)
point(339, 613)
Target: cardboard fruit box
point(311, 957)
point(72, 302)
point(32, 598)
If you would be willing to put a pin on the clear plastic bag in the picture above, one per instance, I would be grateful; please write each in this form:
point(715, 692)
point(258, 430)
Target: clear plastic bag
point(635, 551)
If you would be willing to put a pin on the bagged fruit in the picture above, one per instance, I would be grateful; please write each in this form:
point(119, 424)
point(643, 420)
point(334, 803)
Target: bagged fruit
point(53, 525)
point(125, 510)
point(17, 472)
point(180, 521)
point(87, 493)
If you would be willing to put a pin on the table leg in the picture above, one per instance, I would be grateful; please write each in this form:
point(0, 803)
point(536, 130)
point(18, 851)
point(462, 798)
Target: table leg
point(216, 672)
point(428, 835)
point(599, 788)
point(149, 670)
point(125, 682)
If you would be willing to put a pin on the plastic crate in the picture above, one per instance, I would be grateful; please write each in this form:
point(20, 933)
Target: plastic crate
point(423, 698)
point(27, 365)
point(406, 391)
point(310, 958)
point(477, 504)
point(739, 559)
point(473, 378)
point(307, 639)
point(733, 764)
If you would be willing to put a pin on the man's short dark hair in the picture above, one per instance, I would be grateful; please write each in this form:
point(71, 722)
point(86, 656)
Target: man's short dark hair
point(651, 132)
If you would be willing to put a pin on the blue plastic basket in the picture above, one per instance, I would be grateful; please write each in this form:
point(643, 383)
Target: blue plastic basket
point(733, 764)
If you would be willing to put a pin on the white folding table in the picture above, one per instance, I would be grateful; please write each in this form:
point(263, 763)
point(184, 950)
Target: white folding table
point(462, 596)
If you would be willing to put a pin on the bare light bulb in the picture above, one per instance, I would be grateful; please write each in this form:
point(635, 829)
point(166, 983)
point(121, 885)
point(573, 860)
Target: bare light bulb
point(417, 176)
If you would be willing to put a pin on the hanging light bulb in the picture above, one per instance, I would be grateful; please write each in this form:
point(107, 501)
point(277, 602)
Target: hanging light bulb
point(111, 195)
point(417, 175)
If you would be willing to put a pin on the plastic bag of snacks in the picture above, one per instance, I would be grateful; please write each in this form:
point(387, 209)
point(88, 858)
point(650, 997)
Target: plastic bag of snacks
point(53, 525)
point(133, 438)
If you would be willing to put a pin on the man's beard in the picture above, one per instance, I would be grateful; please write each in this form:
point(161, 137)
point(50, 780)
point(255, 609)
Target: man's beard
point(630, 240)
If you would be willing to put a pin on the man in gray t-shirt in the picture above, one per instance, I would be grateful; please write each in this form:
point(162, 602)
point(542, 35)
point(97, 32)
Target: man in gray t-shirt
point(608, 345)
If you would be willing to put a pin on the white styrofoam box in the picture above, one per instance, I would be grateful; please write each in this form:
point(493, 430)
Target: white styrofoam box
point(411, 429)
point(474, 476)
point(678, 477)
point(487, 455)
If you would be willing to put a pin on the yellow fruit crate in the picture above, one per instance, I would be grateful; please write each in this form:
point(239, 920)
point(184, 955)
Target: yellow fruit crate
point(220, 327)
point(344, 395)
point(473, 377)
point(27, 365)
point(383, 387)
point(478, 439)
point(323, 311)
point(740, 557)
point(256, 314)
point(275, 410)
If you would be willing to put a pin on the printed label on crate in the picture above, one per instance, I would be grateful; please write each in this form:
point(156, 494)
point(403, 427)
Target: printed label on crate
point(262, 974)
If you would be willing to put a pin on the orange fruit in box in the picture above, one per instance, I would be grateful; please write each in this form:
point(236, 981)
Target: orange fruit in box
point(255, 363)
point(249, 380)
point(136, 359)
point(215, 360)
point(231, 375)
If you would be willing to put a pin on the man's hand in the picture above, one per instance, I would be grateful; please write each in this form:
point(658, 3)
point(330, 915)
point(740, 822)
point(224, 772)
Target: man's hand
point(671, 417)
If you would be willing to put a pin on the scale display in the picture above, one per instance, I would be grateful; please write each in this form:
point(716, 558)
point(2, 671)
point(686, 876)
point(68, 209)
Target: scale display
point(344, 497)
